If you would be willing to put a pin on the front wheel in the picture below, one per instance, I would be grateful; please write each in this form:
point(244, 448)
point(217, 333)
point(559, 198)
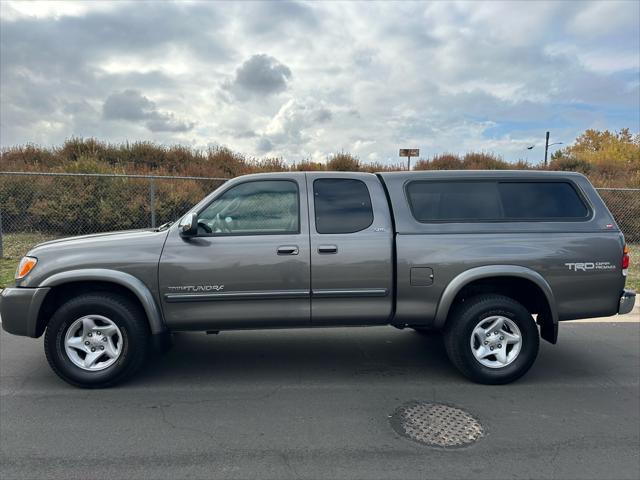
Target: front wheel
point(492, 339)
point(96, 340)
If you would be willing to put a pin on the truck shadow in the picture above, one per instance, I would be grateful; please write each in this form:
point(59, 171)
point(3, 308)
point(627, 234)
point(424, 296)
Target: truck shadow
point(343, 354)
point(309, 355)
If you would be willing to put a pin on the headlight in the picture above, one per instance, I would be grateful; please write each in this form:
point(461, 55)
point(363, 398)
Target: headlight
point(25, 266)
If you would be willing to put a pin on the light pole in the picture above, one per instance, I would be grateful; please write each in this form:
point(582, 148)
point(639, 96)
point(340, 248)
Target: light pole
point(546, 148)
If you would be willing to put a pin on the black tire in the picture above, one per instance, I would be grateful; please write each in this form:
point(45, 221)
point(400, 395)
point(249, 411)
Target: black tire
point(128, 317)
point(459, 331)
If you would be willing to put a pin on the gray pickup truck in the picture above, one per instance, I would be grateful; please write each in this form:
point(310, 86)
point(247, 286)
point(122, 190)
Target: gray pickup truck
point(493, 260)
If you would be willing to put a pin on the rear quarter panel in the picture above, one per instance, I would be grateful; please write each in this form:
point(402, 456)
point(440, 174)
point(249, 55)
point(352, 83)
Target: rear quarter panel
point(578, 293)
point(551, 249)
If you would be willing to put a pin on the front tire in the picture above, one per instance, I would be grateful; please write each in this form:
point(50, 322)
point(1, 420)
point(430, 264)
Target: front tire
point(491, 339)
point(96, 340)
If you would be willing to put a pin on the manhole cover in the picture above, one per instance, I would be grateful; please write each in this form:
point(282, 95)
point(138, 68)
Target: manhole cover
point(436, 425)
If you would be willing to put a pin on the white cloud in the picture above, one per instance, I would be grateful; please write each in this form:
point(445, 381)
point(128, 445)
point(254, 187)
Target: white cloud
point(601, 19)
point(51, 8)
point(599, 60)
point(308, 79)
point(296, 124)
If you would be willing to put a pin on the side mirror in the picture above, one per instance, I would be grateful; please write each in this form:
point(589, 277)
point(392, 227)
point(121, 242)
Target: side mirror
point(189, 225)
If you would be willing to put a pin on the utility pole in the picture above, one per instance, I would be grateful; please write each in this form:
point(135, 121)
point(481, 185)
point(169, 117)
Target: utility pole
point(546, 150)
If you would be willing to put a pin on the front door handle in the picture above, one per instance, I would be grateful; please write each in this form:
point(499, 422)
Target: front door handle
point(327, 249)
point(288, 250)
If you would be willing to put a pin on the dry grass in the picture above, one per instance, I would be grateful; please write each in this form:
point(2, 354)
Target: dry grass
point(7, 270)
point(15, 247)
point(633, 275)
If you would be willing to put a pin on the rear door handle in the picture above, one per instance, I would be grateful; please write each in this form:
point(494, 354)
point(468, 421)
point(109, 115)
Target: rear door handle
point(327, 249)
point(288, 250)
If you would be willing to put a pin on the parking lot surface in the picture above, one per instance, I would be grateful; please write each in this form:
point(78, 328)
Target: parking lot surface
point(316, 404)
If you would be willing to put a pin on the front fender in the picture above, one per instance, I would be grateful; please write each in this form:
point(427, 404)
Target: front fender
point(473, 274)
point(135, 285)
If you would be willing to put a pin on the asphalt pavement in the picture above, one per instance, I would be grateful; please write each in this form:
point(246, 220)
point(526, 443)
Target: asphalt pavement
point(316, 404)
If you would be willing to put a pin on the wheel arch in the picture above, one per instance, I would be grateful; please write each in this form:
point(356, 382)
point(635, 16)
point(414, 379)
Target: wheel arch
point(521, 283)
point(87, 280)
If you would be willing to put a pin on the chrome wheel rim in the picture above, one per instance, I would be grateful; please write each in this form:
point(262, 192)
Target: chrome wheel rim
point(93, 343)
point(496, 341)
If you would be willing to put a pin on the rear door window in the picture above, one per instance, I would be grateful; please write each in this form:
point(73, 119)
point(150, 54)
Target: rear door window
point(341, 205)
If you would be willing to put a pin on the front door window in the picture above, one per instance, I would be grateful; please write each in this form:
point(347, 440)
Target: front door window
point(267, 207)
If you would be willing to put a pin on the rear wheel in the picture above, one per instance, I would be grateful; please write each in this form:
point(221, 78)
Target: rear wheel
point(492, 339)
point(96, 340)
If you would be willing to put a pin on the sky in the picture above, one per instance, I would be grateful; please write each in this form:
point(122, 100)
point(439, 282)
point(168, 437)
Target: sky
point(304, 80)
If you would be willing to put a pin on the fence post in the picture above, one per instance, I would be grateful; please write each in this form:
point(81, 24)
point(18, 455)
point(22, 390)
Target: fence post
point(1, 250)
point(152, 200)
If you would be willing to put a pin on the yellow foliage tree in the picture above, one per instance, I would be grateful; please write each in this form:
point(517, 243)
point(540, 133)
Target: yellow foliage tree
point(609, 158)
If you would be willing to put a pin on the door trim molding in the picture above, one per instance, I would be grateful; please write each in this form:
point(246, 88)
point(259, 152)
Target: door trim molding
point(349, 292)
point(276, 294)
point(248, 295)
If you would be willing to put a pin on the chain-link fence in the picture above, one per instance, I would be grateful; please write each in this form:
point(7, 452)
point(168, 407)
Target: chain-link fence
point(624, 204)
point(35, 207)
point(38, 206)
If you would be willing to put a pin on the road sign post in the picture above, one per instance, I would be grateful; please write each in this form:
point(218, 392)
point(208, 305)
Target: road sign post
point(409, 152)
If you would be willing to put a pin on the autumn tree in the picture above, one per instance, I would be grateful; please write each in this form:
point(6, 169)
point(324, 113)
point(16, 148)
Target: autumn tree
point(609, 158)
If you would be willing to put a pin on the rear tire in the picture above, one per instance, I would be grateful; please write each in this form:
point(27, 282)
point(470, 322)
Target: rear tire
point(491, 339)
point(96, 340)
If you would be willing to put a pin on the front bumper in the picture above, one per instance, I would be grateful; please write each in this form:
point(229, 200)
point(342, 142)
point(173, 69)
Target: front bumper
point(627, 301)
point(19, 308)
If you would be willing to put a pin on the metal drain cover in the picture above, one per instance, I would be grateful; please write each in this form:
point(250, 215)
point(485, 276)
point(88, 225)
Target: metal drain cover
point(436, 425)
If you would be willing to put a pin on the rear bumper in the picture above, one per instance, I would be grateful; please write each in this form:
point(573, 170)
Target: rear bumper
point(627, 301)
point(19, 308)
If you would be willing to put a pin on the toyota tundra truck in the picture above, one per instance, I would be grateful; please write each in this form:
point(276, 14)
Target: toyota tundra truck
point(494, 260)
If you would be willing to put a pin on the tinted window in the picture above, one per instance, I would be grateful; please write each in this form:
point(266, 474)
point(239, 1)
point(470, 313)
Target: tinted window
point(453, 201)
point(341, 205)
point(254, 208)
point(494, 201)
point(541, 200)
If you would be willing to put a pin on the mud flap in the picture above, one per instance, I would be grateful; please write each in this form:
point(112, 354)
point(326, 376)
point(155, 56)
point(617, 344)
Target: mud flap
point(548, 329)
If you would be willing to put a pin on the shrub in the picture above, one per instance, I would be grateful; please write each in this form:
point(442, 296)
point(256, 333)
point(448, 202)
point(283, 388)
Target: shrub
point(270, 165)
point(343, 162)
point(445, 161)
point(308, 166)
point(484, 161)
point(570, 164)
